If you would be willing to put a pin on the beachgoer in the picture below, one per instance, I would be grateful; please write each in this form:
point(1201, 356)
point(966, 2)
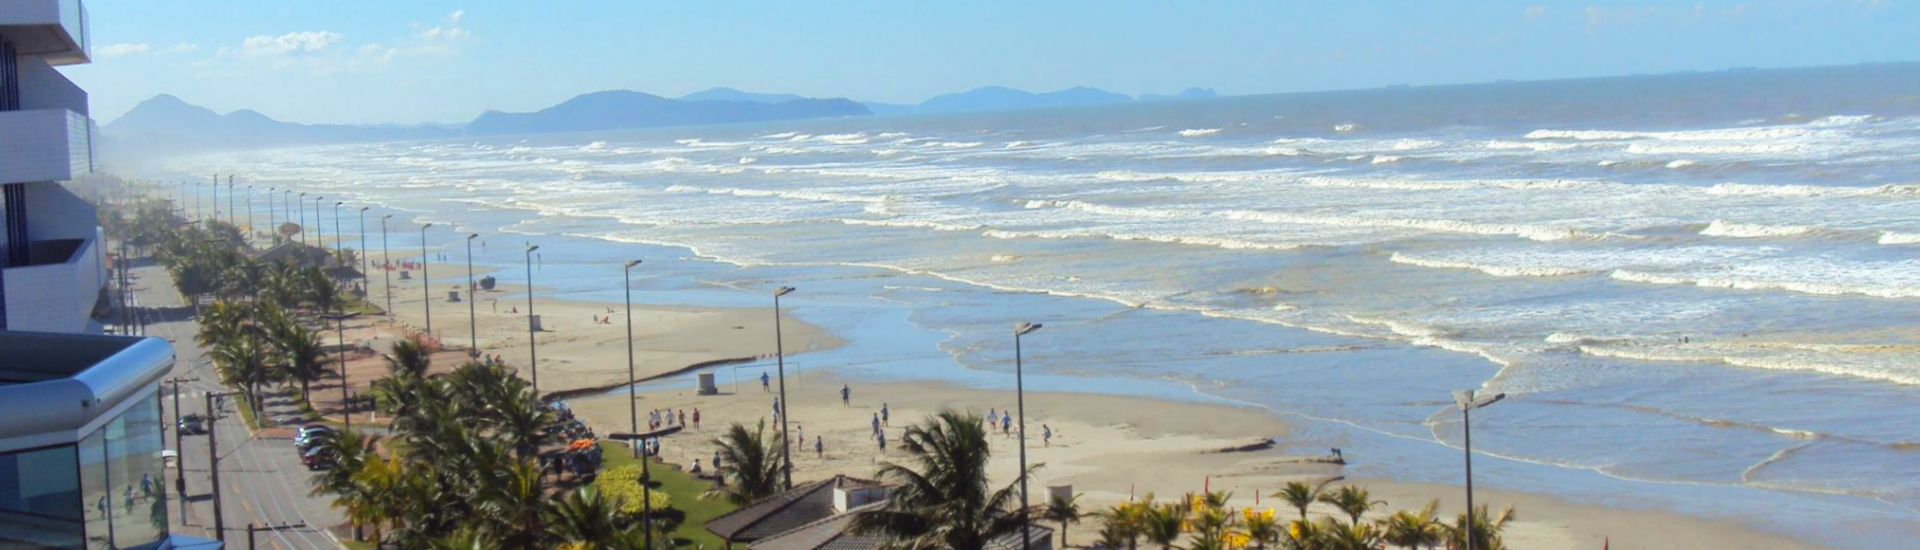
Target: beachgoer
point(696, 467)
point(993, 418)
point(819, 448)
point(683, 419)
point(669, 417)
point(884, 421)
point(846, 395)
point(764, 386)
point(716, 462)
point(803, 432)
point(776, 408)
point(1046, 435)
point(882, 436)
point(696, 418)
point(876, 423)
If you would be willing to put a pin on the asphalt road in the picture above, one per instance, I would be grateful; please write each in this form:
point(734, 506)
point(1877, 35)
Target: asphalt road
point(261, 477)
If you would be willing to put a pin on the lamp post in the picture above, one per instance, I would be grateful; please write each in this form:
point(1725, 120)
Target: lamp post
point(229, 199)
point(250, 227)
point(273, 231)
point(213, 463)
point(216, 197)
point(1468, 402)
point(473, 321)
point(426, 289)
point(533, 346)
point(302, 206)
point(1020, 402)
point(786, 408)
point(386, 261)
point(340, 328)
point(338, 243)
point(319, 234)
point(366, 260)
point(633, 407)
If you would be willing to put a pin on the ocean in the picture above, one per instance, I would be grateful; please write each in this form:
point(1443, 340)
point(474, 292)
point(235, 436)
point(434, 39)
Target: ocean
point(1696, 290)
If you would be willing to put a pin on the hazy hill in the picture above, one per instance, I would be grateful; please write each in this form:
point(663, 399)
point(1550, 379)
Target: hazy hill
point(618, 109)
point(1189, 93)
point(165, 124)
point(732, 94)
point(992, 98)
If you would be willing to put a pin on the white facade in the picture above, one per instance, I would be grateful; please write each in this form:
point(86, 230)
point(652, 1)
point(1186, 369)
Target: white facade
point(52, 269)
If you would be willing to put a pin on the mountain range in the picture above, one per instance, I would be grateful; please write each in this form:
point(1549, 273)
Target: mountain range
point(165, 124)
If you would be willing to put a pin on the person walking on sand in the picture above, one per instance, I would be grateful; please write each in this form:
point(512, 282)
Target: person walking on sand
point(993, 418)
point(802, 432)
point(819, 448)
point(1046, 435)
point(846, 395)
point(776, 408)
point(884, 421)
point(876, 423)
point(683, 419)
point(696, 418)
point(765, 385)
point(882, 436)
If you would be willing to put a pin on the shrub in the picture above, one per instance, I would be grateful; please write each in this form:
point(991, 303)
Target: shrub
point(622, 485)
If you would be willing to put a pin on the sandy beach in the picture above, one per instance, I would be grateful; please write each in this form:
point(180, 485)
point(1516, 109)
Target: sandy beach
point(1111, 448)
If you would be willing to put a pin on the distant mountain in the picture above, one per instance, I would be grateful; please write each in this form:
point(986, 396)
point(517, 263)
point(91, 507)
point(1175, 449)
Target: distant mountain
point(731, 94)
point(166, 124)
point(619, 109)
point(994, 98)
point(1189, 93)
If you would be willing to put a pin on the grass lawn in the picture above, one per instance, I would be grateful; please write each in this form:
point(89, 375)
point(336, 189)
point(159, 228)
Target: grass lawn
point(685, 492)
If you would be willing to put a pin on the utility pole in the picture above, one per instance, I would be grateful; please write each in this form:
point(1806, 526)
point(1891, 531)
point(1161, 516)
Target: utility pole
point(213, 465)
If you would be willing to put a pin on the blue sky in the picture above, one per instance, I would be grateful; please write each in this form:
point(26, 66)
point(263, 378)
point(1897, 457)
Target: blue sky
point(427, 60)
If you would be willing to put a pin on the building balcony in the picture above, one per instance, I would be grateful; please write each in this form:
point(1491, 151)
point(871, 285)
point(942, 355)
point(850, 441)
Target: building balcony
point(58, 290)
point(45, 145)
point(53, 30)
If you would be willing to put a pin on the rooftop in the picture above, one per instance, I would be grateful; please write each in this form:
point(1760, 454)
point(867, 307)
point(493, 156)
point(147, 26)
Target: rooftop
point(53, 385)
point(54, 30)
point(785, 511)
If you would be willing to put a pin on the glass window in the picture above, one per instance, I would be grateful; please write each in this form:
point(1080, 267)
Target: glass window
point(121, 480)
point(40, 500)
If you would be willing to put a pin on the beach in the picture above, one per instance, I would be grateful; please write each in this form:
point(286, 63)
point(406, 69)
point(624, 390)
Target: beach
point(1112, 448)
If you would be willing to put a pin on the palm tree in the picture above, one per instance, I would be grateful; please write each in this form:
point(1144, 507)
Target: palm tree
point(513, 508)
point(1300, 495)
point(944, 501)
point(1126, 521)
point(1212, 527)
point(241, 361)
point(465, 539)
point(585, 517)
point(1161, 524)
point(1063, 510)
point(1485, 532)
point(1351, 500)
point(1114, 536)
point(1411, 530)
point(301, 353)
point(1349, 536)
point(752, 463)
point(408, 358)
point(1304, 535)
point(350, 450)
point(1262, 528)
point(220, 322)
point(522, 421)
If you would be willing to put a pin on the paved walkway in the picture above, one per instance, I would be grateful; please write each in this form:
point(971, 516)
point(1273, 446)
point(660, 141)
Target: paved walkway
point(261, 477)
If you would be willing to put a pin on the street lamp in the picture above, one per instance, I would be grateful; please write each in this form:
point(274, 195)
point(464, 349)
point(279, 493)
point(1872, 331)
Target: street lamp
point(366, 260)
point(273, 229)
point(250, 227)
point(229, 198)
point(213, 463)
point(473, 323)
point(338, 243)
point(1468, 402)
point(319, 234)
point(633, 407)
point(426, 289)
point(302, 206)
point(216, 197)
point(533, 346)
point(786, 407)
point(1020, 401)
point(340, 326)
point(386, 262)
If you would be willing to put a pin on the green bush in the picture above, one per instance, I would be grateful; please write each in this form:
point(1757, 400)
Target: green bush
point(622, 485)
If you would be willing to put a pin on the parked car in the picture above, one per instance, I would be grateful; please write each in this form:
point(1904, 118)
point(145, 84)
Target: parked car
point(309, 435)
point(193, 424)
point(317, 458)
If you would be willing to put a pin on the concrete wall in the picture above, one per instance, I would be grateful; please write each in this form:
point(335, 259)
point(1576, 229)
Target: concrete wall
point(53, 212)
point(43, 87)
point(44, 145)
point(55, 297)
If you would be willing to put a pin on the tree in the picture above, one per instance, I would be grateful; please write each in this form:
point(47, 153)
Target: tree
point(1262, 528)
point(1411, 530)
point(752, 463)
point(1352, 500)
point(302, 355)
point(1348, 536)
point(1485, 532)
point(242, 362)
point(1125, 521)
point(587, 518)
point(1161, 524)
point(408, 358)
point(1062, 510)
point(943, 500)
point(1300, 495)
point(513, 509)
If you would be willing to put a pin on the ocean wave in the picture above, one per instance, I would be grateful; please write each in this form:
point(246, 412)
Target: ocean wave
point(1747, 189)
point(1723, 228)
point(780, 136)
point(1530, 232)
point(594, 147)
point(1736, 283)
point(1494, 270)
point(1678, 164)
point(786, 194)
point(1895, 238)
point(855, 138)
point(1385, 159)
point(1412, 144)
point(1709, 354)
point(1199, 132)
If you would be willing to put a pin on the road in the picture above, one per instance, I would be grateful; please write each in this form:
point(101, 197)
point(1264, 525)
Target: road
point(261, 477)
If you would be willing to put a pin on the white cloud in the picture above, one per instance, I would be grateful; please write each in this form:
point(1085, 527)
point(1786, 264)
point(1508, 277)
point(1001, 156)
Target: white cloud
point(1534, 12)
point(289, 43)
point(122, 49)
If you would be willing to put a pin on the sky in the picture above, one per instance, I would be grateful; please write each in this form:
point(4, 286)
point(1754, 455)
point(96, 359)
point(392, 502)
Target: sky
point(415, 61)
